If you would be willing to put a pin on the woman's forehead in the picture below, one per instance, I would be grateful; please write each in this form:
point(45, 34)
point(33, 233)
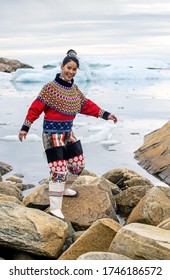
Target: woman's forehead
point(72, 63)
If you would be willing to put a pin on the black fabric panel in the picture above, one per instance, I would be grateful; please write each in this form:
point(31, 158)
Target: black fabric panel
point(74, 149)
point(56, 153)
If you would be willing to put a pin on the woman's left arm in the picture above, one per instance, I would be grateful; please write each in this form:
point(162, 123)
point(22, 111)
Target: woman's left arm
point(91, 109)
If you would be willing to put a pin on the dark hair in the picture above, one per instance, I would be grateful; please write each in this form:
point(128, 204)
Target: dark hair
point(71, 56)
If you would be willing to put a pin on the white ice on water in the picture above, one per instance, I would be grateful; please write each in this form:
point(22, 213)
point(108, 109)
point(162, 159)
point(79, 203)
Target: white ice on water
point(14, 138)
point(96, 71)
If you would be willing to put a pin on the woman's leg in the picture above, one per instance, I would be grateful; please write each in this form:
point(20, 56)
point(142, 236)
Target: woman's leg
point(56, 156)
point(75, 161)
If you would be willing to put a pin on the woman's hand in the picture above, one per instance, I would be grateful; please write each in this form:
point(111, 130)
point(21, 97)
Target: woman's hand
point(22, 134)
point(113, 118)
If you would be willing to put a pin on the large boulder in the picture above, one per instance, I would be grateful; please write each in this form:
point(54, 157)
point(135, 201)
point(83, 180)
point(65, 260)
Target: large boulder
point(125, 178)
point(5, 168)
point(142, 242)
point(165, 224)
point(152, 209)
point(130, 197)
point(102, 256)
point(9, 198)
point(96, 238)
point(11, 65)
point(31, 230)
point(10, 189)
point(154, 154)
point(38, 198)
point(95, 201)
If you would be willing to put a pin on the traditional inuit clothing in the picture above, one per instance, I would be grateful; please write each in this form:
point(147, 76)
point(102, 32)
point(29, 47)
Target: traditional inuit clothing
point(61, 101)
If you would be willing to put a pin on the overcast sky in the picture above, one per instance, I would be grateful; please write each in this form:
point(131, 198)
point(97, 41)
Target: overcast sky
point(116, 27)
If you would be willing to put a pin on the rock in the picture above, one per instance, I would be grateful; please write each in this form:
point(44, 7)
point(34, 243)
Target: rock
point(9, 189)
point(102, 256)
point(165, 190)
point(31, 230)
point(87, 172)
point(77, 234)
point(93, 202)
point(20, 175)
point(71, 178)
point(130, 197)
point(101, 182)
point(38, 198)
point(154, 154)
point(11, 65)
point(5, 168)
point(95, 198)
point(4, 197)
point(142, 242)
point(14, 179)
point(152, 209)
point(165, 224)
point(125, 178)
point(24, 187)
point(96, 238)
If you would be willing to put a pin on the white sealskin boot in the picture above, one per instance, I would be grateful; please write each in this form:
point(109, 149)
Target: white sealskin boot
point(56, 191)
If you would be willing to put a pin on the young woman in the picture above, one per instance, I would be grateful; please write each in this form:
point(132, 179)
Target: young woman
point(61, 100)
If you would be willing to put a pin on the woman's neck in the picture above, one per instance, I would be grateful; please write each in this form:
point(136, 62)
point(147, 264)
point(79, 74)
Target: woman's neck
point(61, 77)
point(62, 81)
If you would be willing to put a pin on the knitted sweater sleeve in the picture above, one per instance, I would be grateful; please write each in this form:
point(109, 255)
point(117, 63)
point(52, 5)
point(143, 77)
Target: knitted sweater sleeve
point(34, 111)
point(92, 109)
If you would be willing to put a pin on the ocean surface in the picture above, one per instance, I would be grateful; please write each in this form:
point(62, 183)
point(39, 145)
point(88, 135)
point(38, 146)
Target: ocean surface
point(135, 90)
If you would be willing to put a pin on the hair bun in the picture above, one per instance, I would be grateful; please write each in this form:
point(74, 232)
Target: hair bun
point(72, 53)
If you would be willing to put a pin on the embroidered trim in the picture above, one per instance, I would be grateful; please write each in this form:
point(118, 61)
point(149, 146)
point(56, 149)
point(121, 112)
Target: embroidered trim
point(55, 193)
point(27, 123)
point(58, 177)
point(101, 113)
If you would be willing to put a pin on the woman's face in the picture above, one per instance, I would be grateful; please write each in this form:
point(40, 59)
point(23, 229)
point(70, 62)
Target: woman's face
point(69, 70)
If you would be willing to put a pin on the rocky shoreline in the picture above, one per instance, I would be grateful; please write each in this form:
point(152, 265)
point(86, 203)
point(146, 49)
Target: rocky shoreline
point(111, 211)
point(11, 65)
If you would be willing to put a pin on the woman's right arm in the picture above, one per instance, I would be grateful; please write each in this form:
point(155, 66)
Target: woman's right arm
point(35, 110)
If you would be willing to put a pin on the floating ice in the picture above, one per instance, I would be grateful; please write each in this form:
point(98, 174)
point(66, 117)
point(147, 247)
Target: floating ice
point(98, 71)
point(14, 138)
point(109, 142)
point(98, 137)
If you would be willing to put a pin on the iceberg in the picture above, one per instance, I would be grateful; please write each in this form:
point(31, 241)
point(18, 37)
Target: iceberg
point(98, 71)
